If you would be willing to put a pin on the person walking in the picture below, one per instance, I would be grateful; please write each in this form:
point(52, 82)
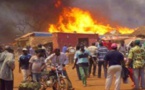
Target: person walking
point(24, 64)
point(81, 58)
point(114, 58)
point(77, 66)
point(137, 55)
point(102, 51)
point(93, 60)
point(6, 71)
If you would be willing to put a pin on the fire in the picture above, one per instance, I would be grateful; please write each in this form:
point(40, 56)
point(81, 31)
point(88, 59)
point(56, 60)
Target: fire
point(125, 30)
point(80, 21)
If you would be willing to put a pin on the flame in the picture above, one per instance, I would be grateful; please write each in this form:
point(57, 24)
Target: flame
point(80, 21)
point(125, 30)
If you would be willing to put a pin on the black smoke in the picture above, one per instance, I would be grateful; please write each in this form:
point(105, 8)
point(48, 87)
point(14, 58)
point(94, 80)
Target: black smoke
point(38, 14)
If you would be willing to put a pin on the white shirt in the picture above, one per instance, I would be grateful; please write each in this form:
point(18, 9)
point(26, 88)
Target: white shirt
point(58, 60)
point(92, 50)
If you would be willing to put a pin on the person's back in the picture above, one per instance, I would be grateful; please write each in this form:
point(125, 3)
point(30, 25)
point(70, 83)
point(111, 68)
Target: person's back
point(102, 51)
point(114, 58)
point(92, 50)
point(7, 66)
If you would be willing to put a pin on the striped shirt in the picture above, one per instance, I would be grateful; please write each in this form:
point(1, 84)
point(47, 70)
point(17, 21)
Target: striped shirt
point(102, 51)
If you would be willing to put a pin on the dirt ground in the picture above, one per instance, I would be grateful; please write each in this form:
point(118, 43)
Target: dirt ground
point(94, 83)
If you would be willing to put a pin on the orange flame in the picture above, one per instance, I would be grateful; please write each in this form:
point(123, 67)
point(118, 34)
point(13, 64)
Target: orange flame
point(125, 30)
point(76, 20)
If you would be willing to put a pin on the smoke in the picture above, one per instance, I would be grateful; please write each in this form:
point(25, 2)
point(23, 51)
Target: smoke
point(10, 18)
point(129, 13)
point(39, 14)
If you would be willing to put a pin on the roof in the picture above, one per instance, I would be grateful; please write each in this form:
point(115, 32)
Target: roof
point(75, 33)
point(37, 34)
point(116, 38)
point(139, 31)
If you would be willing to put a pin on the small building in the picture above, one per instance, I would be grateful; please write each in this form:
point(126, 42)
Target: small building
point(34, 38)
point(72, 39)
point(55, 40)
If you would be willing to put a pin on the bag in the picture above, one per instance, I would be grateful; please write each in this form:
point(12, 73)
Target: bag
point(29, 85)
point(125, 74)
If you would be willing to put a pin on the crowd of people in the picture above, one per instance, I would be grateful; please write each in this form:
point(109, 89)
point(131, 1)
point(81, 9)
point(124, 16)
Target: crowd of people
point(87, 61)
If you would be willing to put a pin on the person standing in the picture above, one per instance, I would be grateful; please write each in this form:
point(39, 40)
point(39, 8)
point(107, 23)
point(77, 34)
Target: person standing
point(93, 60)
point(102, 51)
point(114, 58)
point(37, 65)
point(137, 55)
point(24, 63)
point(109, 44)
point(81, 58)
point(123, 48)
point(64, 49)
point(61, 60)
point(6, 71)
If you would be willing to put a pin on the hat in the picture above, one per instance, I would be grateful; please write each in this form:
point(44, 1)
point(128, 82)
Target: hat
point(114, 45)
point(24, 49)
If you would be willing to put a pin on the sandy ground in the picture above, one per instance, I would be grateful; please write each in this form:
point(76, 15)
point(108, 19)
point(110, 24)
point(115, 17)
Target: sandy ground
point(94, 83)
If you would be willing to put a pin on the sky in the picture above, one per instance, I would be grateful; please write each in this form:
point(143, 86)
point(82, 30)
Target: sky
point(129, 13)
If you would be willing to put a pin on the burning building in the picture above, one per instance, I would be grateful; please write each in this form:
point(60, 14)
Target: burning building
point(55, 40)
point(61, 39)
point(81, 21)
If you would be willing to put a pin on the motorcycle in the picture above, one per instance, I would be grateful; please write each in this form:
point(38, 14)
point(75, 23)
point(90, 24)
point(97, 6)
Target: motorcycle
point(55, 79)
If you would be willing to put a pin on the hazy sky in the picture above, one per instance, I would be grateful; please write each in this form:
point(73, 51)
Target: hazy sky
point(129, 13)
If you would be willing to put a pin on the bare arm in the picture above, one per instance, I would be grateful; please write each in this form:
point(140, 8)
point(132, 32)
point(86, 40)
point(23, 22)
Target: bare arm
point(76, 60)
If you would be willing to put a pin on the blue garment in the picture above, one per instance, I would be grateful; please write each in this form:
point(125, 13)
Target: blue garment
point(114, 57)
point(102, 51)
point(24, 61)
point(64, 49)
point(82, 56)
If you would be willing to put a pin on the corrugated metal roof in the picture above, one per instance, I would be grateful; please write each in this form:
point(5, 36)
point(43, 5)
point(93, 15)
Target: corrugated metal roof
point(38, 34)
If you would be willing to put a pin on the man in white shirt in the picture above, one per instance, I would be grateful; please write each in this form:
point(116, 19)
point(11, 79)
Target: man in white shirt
point(60, 59)
point(92, 61)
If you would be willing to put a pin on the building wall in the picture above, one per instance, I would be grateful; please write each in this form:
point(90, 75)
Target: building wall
point(61, 39)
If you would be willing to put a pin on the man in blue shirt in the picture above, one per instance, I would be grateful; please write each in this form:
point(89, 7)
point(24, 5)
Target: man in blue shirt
point(24, 64)
point(114, 58)
point(64, 49)
point(81, 58)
